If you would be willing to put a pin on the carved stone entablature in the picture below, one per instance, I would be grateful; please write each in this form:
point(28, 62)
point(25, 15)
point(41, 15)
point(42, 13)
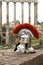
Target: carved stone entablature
point(19, 0)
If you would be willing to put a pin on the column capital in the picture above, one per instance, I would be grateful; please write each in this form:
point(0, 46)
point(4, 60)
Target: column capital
point(7, 3)
point(29, 2)
point(22, 2)
point(14, 2)
point(35, 3)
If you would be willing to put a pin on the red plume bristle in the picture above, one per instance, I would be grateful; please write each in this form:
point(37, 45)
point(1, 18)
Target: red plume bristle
point(26, 26)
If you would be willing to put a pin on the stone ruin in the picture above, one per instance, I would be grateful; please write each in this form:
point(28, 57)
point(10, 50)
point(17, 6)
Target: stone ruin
point(14, 2)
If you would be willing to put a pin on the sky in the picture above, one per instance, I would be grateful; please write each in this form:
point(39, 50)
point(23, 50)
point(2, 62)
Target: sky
point(40, 10)
point(19, 12)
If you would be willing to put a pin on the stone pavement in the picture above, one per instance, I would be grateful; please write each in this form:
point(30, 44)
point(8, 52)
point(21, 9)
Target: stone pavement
point(9, 57)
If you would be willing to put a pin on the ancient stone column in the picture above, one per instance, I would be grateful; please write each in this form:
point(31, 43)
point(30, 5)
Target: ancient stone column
point(29, 12)
point(22, 11)
point(14, 13)
point(35, 13)
point(7, 13)
point(7, 26)
point(0, 19)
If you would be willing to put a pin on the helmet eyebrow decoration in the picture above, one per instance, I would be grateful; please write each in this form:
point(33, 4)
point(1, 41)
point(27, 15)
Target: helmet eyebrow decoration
point(26, 26)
